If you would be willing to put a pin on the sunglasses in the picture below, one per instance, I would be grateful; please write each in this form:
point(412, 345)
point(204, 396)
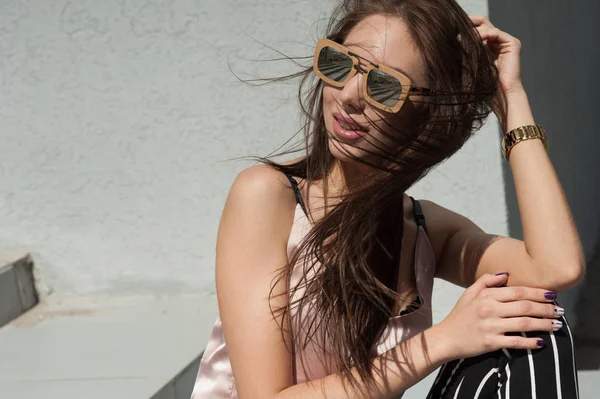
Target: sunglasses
point(384, 88)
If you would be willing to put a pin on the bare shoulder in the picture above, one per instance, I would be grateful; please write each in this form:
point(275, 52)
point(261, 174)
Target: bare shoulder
point(442, 224)
point(260, 195)
point(261, 180)
point(436, 213)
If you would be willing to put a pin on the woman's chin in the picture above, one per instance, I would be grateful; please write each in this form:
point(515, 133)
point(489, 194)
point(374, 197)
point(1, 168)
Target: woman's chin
point(345, 152)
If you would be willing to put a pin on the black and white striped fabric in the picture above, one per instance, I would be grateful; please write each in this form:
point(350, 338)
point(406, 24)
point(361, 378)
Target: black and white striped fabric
point(548, 373)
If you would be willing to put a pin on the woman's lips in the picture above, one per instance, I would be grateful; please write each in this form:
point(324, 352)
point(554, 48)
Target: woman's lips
point(350, 131)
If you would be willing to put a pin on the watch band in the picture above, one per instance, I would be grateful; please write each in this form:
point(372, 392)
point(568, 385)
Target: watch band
point(520, 134)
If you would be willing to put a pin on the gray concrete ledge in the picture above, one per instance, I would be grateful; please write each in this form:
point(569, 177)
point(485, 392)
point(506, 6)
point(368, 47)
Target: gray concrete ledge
point(17, 288)
point(98, 348)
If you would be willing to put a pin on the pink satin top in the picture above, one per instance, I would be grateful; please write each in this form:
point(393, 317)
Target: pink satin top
point(215, 377)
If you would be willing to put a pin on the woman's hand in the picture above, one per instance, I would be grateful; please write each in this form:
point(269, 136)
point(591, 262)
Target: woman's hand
point(506, 53)
point(486, 311)
point(506, 50)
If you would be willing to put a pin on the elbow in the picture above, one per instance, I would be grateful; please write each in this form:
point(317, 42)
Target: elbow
point(568, 276)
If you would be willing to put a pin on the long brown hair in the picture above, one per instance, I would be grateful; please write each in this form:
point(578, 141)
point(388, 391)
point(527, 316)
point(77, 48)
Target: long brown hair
point(354, 250)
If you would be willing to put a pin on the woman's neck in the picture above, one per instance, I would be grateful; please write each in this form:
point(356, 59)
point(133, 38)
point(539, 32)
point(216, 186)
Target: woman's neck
point(343, 176)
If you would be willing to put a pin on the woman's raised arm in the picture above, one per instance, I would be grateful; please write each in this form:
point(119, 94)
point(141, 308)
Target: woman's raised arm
point(550, 255)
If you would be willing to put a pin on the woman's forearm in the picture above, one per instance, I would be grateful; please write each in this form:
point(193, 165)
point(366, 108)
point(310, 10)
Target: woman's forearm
point(549, 232)
point(396, 370)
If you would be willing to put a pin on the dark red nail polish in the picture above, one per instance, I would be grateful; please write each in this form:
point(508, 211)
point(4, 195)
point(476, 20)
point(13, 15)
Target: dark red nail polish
point(540, 342)
point(499, 274)
point(550, 295)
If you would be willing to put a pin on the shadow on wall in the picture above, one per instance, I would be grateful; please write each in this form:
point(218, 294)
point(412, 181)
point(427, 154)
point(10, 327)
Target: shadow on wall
point(561, 61)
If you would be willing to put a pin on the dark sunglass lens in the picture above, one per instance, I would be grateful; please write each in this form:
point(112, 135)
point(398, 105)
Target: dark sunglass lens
point(383, 88)
point(334, 64)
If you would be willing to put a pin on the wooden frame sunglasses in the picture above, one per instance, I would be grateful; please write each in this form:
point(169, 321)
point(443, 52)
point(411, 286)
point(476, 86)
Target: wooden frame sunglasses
point(384, 88)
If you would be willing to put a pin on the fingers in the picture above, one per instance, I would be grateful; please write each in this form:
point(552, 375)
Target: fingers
point(526, 324)
point(479, 20)
point(512, 294)
point(489, 281)
point(490, 33)
point(516, 342)
point(529, 308)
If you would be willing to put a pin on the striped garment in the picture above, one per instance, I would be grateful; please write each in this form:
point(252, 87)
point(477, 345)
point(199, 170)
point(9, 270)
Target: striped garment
point(548, 373)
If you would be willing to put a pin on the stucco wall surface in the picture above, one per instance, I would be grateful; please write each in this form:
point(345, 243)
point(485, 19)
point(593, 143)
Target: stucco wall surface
point(118, 122)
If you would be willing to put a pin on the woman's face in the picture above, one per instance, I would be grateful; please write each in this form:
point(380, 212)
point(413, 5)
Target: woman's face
point(382, 40)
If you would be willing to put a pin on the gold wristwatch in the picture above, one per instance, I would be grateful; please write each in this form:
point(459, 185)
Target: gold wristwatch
point(520, 134)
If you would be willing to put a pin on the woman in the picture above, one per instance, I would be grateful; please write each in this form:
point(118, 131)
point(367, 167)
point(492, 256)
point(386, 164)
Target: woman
point(325, 266)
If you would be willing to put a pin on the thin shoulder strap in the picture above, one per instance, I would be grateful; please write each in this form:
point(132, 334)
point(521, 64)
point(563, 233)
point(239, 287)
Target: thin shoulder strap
point(297, 193)
point(418, 214)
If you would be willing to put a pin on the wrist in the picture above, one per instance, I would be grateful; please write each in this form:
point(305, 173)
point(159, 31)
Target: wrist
point(518, 111)
point(516, 96)
point(515, 89)
point(441, 346)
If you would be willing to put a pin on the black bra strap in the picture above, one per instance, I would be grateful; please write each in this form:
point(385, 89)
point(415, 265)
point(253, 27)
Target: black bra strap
point(297, 193)
point(418, 214)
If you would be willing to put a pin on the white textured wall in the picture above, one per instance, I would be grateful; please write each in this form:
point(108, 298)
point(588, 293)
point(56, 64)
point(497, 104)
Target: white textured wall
point(116, 121)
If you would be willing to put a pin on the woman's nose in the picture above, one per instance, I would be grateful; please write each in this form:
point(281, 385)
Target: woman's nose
point(352, 93)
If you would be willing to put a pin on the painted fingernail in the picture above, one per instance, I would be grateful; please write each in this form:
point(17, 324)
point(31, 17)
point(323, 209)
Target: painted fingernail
point(500, 274)
point(540, 342)
point(556, 325)
point(550, 295)
point(558, 311)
